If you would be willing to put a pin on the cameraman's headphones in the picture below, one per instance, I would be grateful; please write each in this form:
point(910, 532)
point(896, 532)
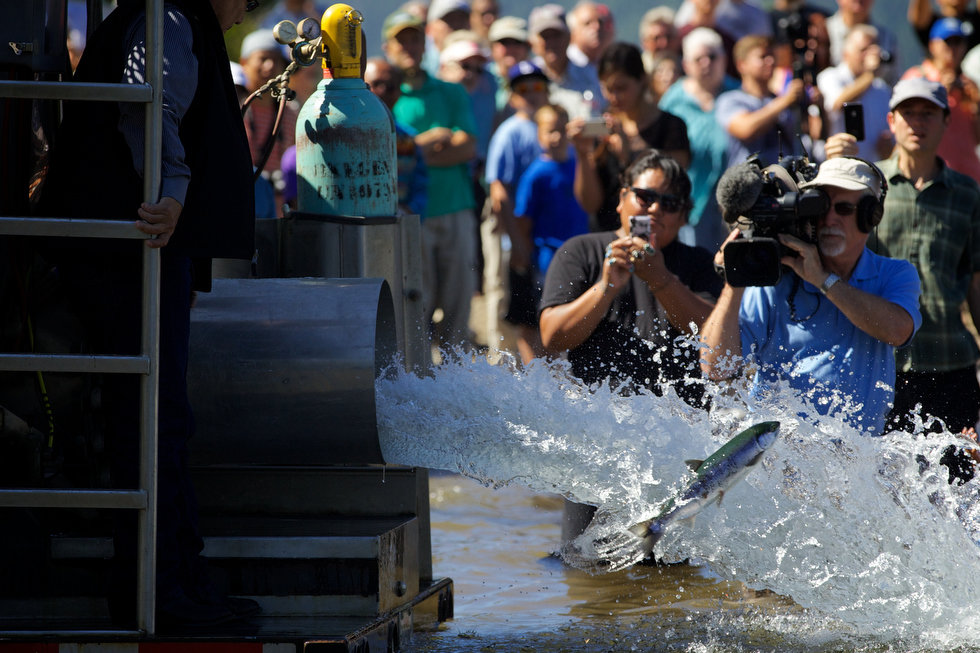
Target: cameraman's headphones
point(870, 208)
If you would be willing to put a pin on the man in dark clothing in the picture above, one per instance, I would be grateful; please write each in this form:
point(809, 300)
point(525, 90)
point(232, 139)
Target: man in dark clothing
point(204, 208)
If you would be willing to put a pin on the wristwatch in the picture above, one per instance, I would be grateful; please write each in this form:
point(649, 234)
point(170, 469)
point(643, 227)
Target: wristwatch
point(828, 283)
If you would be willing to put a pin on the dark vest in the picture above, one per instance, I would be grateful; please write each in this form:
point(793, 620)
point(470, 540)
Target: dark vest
point(92, 175)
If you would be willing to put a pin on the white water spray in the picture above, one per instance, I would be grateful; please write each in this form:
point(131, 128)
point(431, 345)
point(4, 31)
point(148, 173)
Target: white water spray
point(852, 526)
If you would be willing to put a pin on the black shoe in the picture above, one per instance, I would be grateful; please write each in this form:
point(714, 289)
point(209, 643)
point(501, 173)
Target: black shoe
point(180, 612)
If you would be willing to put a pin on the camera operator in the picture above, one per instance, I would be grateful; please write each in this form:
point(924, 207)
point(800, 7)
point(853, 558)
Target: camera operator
point(833, 323)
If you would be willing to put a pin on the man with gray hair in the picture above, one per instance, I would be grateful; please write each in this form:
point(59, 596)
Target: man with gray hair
point(856, 79)
point(589, 24)
point(692, 99)
point(658, 36)
point(829, 327)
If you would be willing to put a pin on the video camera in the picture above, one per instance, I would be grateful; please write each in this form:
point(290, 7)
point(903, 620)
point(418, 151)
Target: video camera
point(763, 203)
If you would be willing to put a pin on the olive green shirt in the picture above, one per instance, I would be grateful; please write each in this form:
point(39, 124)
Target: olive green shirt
point(937, 229)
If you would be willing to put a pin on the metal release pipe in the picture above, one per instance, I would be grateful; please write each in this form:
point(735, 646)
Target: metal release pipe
point(282, 371)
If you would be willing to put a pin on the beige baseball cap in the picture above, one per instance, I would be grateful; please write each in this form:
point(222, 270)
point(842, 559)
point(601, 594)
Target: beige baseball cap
point(847, 173)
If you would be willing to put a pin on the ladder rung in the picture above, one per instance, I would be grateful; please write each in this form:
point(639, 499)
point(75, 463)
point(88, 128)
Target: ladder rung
point(74, 363)
point(70, 227)
point(34, 498)
point(76, 91)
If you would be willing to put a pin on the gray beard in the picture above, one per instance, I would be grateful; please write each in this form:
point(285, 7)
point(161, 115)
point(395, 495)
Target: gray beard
point(835, 249)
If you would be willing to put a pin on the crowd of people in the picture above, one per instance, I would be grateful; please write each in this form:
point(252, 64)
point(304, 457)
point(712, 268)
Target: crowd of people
point(528, 145)
point(588, 131)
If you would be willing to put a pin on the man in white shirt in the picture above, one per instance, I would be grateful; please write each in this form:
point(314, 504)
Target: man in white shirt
point(855, 79)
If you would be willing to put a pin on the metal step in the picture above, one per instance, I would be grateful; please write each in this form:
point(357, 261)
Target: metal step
point(390, 632)
point(329, 567)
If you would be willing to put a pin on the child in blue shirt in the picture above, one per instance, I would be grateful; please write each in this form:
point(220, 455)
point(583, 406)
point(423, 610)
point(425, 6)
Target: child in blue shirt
point(547, 214)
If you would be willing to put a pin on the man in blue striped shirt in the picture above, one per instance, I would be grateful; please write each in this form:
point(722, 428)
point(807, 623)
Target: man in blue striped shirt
point(203, 208)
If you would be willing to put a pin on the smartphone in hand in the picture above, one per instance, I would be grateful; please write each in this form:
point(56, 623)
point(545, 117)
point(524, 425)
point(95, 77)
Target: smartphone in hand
point(854, 119)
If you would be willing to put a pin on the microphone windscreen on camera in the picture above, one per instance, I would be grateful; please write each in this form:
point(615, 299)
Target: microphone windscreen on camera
point(738, 189)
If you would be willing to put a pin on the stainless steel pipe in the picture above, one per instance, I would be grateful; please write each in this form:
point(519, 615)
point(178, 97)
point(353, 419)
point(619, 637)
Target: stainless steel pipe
point(282, 371)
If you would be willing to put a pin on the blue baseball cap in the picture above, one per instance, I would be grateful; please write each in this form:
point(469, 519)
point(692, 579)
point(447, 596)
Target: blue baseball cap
point(949, 27)
point(523, 69)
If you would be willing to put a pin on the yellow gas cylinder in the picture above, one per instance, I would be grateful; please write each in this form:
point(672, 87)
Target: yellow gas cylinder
point(345, 135)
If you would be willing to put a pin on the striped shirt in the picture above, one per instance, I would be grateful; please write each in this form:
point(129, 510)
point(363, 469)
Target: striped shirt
point(937, 229)
point(179, 86)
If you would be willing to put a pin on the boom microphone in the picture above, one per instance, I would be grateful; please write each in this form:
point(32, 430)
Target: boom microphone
point(738, 189)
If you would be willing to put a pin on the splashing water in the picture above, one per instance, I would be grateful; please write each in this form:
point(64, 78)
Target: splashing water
point(864, 530)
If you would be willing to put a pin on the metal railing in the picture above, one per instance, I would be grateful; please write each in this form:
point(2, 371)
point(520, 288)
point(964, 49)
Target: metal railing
point(143, 498)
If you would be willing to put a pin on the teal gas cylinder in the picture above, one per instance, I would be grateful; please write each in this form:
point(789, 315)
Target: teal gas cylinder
point(345, 135)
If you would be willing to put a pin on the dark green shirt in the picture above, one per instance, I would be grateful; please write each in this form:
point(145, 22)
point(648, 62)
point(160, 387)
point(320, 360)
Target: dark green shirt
point(937, 229)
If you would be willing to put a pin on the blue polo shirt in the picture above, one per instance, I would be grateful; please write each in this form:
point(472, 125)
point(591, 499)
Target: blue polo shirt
point(848, 374)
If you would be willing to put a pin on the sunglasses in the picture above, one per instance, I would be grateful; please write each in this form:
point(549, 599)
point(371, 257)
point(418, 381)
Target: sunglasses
point(251, 5)
point(537, 86)
point(844, 208)
point(646, 197)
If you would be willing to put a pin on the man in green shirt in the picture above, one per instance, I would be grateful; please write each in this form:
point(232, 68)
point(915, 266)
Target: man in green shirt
point(441, 114)
point(932, 219)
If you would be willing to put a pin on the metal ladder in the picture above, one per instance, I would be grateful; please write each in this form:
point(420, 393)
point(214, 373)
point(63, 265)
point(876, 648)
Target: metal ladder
point(145, 364)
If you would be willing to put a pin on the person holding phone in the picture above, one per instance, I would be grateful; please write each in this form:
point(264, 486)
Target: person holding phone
point(854, 87)
point(635, 123)
point(618, 302)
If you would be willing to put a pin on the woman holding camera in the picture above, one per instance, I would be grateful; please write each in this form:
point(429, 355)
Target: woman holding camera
point(635, 124)
point(617, 301)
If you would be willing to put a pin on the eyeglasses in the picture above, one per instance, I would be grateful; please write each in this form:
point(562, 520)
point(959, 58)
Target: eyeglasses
point(646, 197)
point(844, 208)
point(251, 5)
point(537, 86)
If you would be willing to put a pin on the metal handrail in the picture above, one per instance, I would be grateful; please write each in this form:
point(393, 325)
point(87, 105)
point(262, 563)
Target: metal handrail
point(144, 498)
point(61, 91)
point(74, 363)
point(69, 227)
point(37, 498)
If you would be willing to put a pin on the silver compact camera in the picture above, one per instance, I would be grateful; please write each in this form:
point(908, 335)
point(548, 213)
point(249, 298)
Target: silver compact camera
point(640, 226)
